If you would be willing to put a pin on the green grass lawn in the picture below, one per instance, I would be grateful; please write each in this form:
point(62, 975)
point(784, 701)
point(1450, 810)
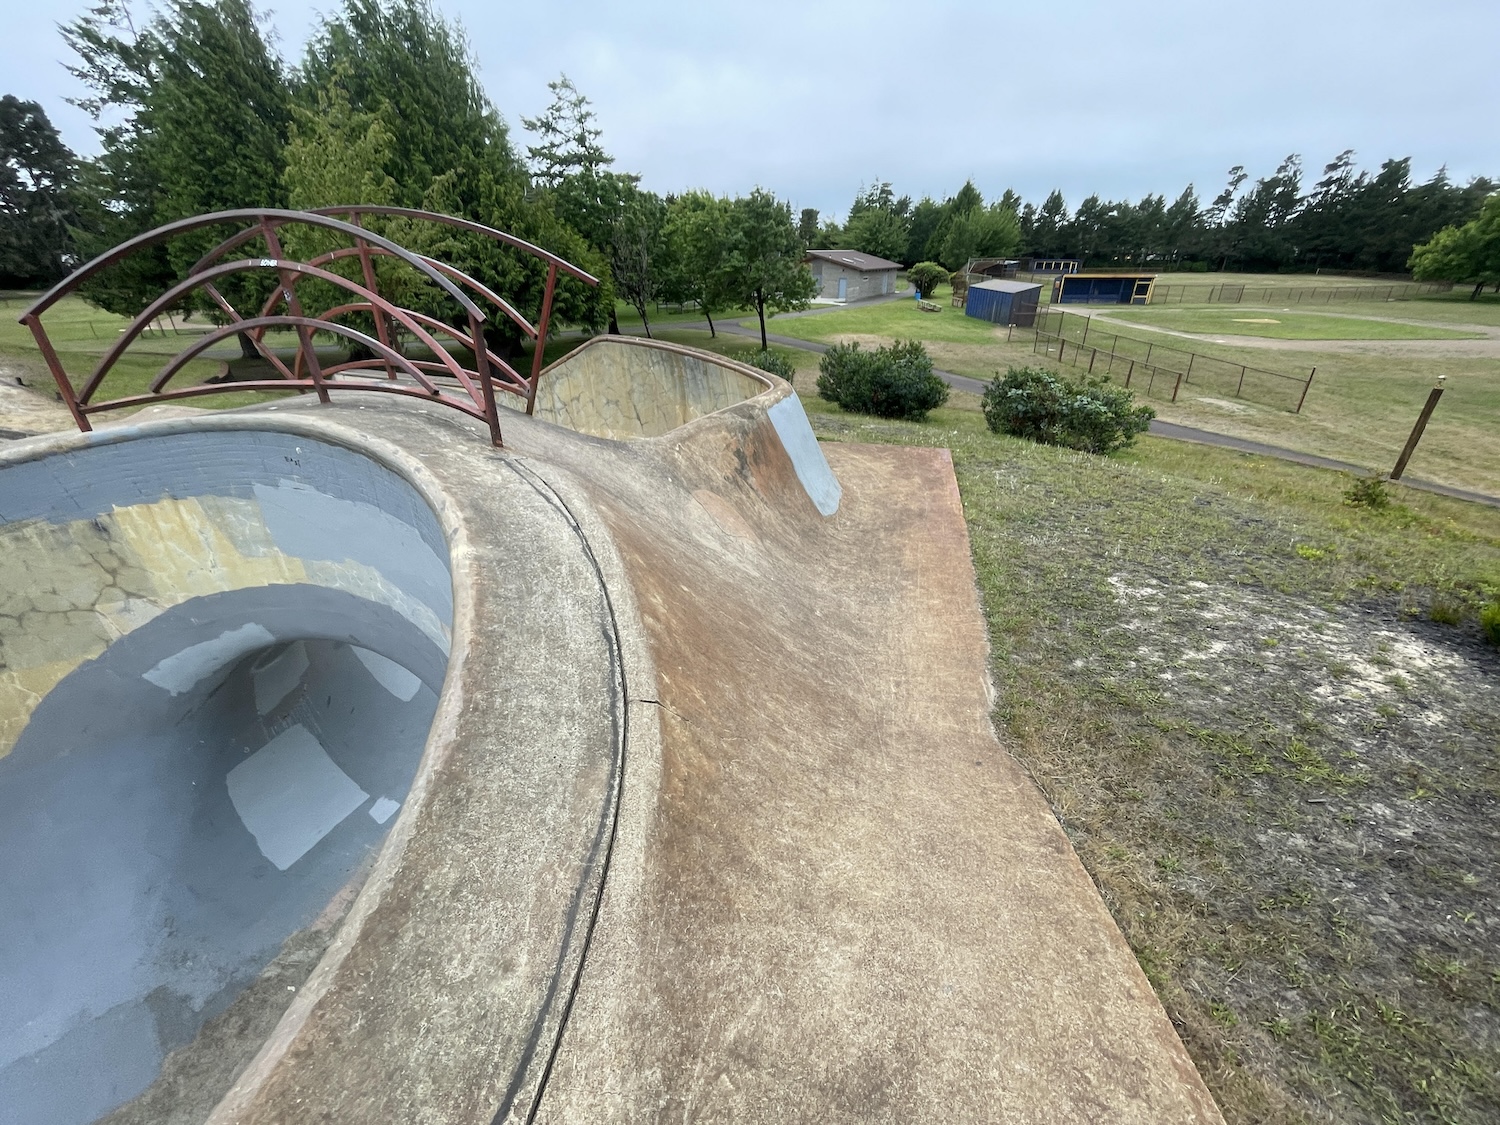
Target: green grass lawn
point(1359, 409)
point(1231, 688)
point(1281, 324)
point(81, 334)
point(888, 320)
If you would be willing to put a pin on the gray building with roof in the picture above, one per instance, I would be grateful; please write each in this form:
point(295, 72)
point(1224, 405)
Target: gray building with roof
point(848, 275)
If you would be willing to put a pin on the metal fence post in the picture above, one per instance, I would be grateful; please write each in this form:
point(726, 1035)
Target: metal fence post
point(1241, 387)
point(1129, 373)
point(1092, 357)
point(1175, 387)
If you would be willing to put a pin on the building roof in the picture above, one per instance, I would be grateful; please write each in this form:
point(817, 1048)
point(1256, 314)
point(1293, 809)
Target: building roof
point(1001, 285)
point(865, 263)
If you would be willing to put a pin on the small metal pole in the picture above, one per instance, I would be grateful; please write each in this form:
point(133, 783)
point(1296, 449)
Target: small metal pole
point(541, 337)
point(1093, 356)
point(1189, 373)
point(1175, 387)
point(1416, 431)
point(1086, 322)
point(1241, 387)
point(1129, 373)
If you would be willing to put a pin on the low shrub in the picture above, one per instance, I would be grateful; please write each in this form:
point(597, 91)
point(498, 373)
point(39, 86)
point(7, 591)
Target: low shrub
point(927, 276)
point(777, 363)
point(890, 382)
point(1093, 416)
point(1367, 492)
point(1489, 622)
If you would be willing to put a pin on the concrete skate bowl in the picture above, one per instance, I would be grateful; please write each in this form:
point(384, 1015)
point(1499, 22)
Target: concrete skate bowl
point(621, 387)
point(222, 654)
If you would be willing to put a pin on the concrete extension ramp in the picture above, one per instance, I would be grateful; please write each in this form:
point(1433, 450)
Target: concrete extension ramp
point(710, 824)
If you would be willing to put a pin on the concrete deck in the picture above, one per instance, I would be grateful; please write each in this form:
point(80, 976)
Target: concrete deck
point(711, 823)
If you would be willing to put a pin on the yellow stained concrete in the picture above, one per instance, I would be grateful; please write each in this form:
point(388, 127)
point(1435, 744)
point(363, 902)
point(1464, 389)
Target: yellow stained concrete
point(619, 387)
point(67, 591)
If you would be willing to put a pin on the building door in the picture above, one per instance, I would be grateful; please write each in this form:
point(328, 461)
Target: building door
point(843, 289)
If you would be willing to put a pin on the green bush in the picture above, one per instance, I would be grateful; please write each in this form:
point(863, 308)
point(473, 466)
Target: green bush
point(890, 382)
point(1489, 622)
point(1092, 416)
point(1367, 492)
point(927, 276)
point(777, 363)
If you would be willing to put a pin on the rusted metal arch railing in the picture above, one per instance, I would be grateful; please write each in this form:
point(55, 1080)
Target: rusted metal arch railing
point(478, 384)
point(318, 382)
point(555, 265)
point(514, 381)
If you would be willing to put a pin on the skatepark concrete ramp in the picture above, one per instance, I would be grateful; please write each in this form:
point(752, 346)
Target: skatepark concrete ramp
point(356, 770)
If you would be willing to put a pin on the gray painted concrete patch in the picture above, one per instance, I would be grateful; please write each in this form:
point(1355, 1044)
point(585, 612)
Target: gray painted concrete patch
point(290, 794)
point(388, 674)
point(184, 669)
point(93, 480)
point(801, 445)
point(310, 524)
point(277, 674)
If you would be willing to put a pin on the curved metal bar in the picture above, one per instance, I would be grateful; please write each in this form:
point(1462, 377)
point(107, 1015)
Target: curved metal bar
point(462, 224)
point(452, 271)
point(262, 217)
point(471, 345)
point(280, 385)
point(462, 374)
point(183, 358)
point(193, 281)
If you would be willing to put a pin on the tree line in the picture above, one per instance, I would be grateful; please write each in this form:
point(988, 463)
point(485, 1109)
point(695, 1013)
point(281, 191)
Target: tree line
point(1348, 219)
point(197, 113)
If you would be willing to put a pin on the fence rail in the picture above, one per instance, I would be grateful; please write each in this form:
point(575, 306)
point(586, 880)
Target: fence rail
point(1159, 371)
point(1239, 293)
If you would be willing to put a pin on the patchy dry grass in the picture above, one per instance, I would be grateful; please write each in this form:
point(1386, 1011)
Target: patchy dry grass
point(1279, 768)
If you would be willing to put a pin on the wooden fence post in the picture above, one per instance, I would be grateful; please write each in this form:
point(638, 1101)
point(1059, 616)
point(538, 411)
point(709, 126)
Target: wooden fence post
point(1303, 399)
point(1416, 431)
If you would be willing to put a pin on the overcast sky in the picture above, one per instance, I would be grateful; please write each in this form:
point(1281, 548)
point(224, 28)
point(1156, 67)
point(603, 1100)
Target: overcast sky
point(813, 99)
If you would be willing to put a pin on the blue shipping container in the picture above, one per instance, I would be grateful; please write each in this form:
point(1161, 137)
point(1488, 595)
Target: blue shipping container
point(1003, 302)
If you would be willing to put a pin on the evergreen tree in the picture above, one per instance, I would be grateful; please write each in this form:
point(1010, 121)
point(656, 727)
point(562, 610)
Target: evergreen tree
point(205, 110)
point(569, 137)
point(37, 177)
point(807, 227)
point(442, 147)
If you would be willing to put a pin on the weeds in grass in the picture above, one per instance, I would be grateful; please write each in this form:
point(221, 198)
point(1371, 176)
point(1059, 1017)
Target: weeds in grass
point(1368, 492)
point(1489, 622)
